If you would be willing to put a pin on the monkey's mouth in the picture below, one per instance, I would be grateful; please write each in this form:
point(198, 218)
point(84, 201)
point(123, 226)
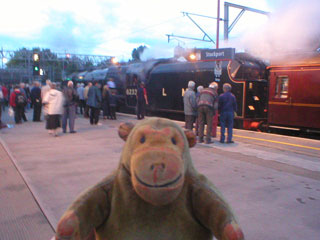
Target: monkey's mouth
point(158, 185)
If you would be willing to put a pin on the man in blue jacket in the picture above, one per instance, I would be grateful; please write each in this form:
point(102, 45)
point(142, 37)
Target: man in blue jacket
point(227, 108)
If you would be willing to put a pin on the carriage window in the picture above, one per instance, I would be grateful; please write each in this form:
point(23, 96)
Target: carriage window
point(282, 85)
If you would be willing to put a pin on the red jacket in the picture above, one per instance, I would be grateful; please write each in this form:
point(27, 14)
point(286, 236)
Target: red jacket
point(13, 98)
point(5, 92)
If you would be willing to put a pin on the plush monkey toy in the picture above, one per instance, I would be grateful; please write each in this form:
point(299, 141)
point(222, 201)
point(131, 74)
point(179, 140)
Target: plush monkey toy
point(155, 194)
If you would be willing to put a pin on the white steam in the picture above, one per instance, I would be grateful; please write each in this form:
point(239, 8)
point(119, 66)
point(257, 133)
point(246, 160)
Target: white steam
point(155, 53)
point(295, 27)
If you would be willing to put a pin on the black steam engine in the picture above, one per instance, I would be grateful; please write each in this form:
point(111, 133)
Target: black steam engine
point(166, 81)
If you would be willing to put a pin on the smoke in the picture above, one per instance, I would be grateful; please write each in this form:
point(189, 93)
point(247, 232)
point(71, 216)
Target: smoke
point(292, 28)
point(156, 52)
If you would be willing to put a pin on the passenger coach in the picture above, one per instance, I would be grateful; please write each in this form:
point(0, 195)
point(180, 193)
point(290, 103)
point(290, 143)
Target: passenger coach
point(294, 93)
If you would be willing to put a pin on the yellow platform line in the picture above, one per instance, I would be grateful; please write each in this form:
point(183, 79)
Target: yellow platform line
point(284, 143)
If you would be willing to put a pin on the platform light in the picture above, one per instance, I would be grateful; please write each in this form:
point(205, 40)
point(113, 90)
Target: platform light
point(4, 60)
point(192, 56)
point(114, 60)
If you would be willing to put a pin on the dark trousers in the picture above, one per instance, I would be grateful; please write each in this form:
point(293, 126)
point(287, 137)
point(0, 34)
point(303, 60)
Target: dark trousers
point(113, 112)
point(106, 108)
point(69, 112)
point(205, 114)
point(37, 111)
point(18, 111)
point(189, 121)
point(226, 121)
point(141, 110)
point(82, 105)
point(23, 115)
point(86, 111)
point(94, 115)
point(3, 104)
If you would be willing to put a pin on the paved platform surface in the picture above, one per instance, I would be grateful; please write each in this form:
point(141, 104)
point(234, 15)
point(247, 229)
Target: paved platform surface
point(273, 184)
point(20, 215)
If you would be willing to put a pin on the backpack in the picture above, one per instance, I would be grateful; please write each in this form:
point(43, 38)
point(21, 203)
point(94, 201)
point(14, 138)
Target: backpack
point(20, 100)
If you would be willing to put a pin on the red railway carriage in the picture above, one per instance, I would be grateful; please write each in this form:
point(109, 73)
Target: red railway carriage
point(294, 94)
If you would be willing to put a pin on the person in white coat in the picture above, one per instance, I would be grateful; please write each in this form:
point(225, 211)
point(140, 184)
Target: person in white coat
point(53, 101)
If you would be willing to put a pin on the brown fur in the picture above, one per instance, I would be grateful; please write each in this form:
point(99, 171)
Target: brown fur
point(155, 193)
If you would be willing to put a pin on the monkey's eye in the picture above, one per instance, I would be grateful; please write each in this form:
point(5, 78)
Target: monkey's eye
point(142, 139)
point(174, 141)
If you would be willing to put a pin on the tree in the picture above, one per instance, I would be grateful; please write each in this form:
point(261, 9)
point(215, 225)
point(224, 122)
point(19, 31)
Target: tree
point(49, 62)
point(137, 52)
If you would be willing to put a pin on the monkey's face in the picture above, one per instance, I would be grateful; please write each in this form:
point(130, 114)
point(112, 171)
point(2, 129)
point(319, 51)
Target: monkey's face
point(157, 166)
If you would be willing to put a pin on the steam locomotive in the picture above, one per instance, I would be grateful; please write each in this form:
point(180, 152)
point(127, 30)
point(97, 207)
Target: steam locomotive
point(266, 96)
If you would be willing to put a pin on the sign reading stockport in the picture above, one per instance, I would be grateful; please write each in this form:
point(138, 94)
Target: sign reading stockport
point(217, 54)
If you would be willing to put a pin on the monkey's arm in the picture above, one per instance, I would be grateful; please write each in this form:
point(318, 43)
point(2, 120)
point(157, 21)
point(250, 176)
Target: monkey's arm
point(214, 213)
point(88, 212)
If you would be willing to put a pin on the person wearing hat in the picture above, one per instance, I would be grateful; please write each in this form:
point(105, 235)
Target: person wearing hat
point(190, 105)
point(207, 108)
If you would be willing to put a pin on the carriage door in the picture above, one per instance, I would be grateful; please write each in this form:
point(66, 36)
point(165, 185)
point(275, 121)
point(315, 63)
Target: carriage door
point(280, 100)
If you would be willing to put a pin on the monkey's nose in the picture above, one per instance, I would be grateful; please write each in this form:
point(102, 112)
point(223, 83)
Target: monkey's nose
point(157, 166)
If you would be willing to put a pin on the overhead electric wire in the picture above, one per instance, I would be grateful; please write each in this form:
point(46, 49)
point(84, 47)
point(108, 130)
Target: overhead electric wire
point(148, 27)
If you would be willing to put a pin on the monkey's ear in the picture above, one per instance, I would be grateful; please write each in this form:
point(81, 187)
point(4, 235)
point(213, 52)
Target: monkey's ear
point(191, 138)
point(125, 129)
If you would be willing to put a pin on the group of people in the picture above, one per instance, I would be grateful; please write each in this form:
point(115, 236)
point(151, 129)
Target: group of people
point(202, 107)
point(17, 97)
point(60, 104)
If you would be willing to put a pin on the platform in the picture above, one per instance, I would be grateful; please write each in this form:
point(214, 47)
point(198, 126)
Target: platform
point(272, 182)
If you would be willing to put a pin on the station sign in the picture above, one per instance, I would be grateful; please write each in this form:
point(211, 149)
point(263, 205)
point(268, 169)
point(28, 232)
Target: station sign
point(217, 54)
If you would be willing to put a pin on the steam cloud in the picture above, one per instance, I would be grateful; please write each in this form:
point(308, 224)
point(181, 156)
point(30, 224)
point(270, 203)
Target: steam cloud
point(158, 52)
point(294, 27)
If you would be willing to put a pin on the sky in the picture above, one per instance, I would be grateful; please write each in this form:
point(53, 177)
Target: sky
point(116, 27)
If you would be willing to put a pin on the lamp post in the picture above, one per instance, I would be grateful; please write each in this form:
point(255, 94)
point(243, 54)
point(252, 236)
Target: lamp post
point(218, 23)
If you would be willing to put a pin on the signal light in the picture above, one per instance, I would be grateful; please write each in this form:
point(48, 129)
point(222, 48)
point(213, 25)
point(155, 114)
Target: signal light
point(36, 57)
point(36, 64)
point(36, 70)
